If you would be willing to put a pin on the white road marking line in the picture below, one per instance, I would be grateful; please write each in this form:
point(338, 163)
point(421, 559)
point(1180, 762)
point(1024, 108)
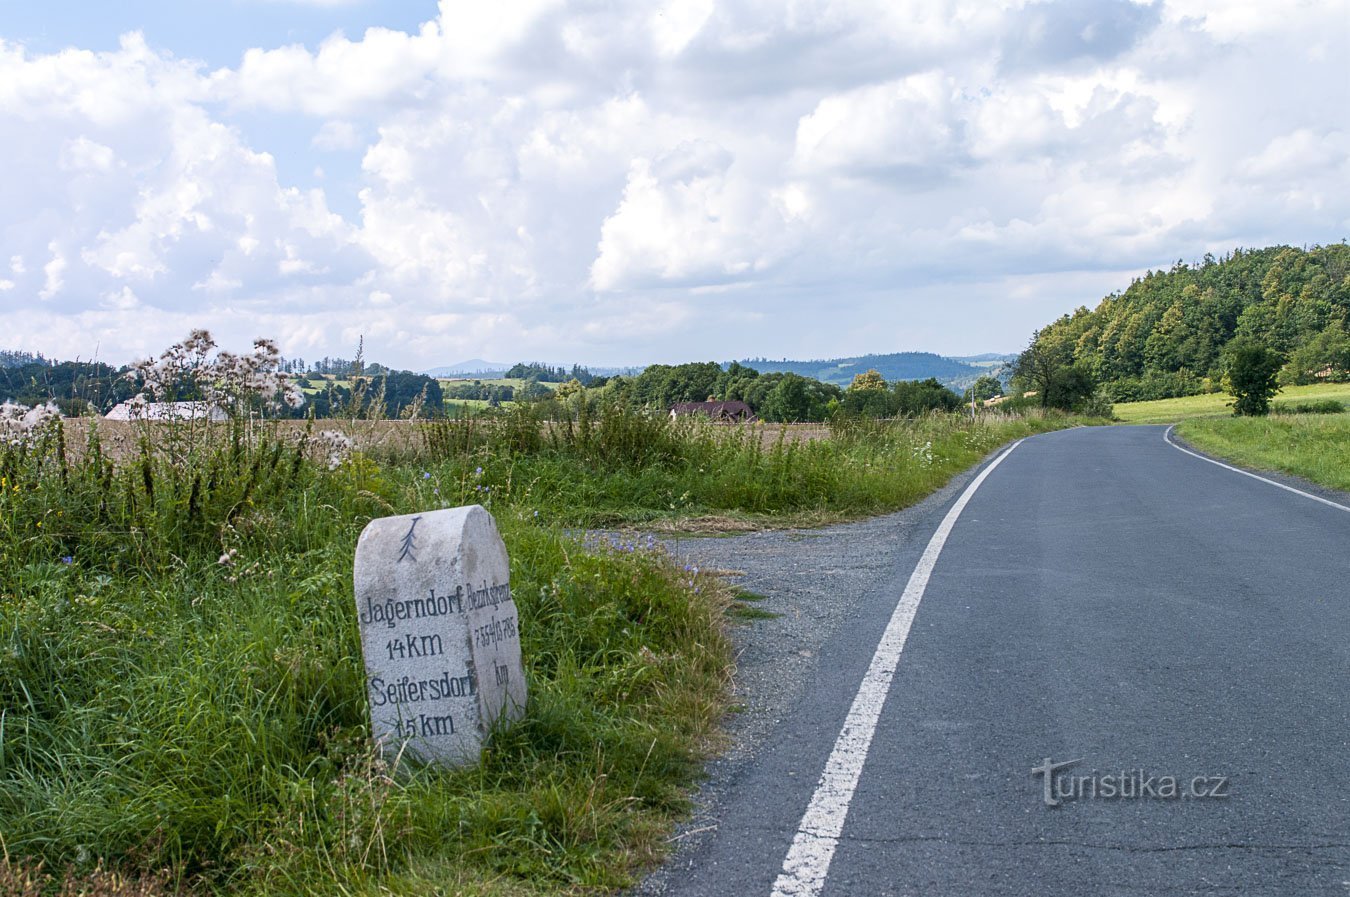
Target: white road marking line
point(808, 859)
point(1167, 438)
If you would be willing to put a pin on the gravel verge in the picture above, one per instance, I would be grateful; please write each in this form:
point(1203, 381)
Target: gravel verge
point(812, 580)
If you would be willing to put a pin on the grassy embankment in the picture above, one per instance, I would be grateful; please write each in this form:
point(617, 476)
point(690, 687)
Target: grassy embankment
point(1313, 446)
point(1168, 411)
point(181, 690)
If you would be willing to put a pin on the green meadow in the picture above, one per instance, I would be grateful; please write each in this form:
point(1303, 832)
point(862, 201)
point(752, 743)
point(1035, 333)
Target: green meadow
point(1167, 411)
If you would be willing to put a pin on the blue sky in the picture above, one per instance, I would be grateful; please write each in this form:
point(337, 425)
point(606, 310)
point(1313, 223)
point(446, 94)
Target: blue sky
point(215, 32)
point(616, 183)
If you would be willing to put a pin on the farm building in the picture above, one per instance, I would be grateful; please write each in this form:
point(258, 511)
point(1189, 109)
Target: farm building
point(165, 411)
point(723, 412)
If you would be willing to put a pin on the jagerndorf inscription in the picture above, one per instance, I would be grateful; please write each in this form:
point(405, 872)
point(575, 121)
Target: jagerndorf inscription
point(439, 632)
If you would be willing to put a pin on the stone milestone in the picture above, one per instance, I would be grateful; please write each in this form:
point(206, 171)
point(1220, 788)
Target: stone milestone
point(439, 631)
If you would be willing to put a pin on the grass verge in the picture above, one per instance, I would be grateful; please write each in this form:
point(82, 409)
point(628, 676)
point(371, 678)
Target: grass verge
point(1312, 446)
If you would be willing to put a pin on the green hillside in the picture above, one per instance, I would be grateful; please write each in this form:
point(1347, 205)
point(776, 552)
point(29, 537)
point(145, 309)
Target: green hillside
point(1164, 335)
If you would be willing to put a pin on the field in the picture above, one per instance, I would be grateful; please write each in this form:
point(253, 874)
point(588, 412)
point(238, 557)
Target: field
point(1313, 446)
point(320, 382)
point(120, 439)
point(513, 382)
point(1166, 411)
point(182, 700)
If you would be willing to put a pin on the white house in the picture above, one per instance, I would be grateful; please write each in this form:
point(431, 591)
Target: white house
point(165, 411)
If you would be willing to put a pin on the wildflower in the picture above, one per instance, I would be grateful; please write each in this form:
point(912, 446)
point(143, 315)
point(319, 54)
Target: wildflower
point(426, 475)
point(229, 381)
point(68, 560)
point(338, 447)
point(20, 424)
point(227, 559)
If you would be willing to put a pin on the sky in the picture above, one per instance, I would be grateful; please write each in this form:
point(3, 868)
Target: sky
point(618, 183)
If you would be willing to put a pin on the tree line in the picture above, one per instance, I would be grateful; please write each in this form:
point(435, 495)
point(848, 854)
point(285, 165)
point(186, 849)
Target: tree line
point(780, 396)
point(89, 387)
point(543, 373)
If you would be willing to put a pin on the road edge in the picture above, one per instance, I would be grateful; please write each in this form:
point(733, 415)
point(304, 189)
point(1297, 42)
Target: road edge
point(1281, 479)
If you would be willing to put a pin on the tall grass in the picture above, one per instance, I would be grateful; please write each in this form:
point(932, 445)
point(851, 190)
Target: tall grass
point(182, 698)
point(622, 466)
point(182, 693)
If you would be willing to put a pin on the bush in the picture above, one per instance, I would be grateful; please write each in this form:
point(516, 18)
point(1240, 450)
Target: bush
point(1252, 370)
point(1154, 385)
point(1095, 405)
point(1320, 406)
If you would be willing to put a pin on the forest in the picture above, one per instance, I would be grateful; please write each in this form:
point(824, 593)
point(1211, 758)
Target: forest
point(1164, 336)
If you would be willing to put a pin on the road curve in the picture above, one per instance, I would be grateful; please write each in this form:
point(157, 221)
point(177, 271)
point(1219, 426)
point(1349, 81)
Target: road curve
point(1102, 598)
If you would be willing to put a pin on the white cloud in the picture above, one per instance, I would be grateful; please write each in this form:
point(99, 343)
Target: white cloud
point(675, 24)
point(685, 219)
point(83, 154)
point(911, 127)
point(585, 181)
point(343, 77)
point(338, 135)
point(54, 272)
point(121, 300)
point(1300, 153)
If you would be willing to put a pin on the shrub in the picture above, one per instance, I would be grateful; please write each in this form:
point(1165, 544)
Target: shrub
point(1320, 406)
point(1252, 370)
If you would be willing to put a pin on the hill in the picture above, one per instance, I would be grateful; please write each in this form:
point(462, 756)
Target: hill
point(472, 366)
point(1164, 336)
point(896, 366)
point(986, 359)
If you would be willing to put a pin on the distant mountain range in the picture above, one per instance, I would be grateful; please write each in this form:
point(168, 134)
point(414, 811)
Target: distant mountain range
point(472, 366)
point(957, 372)
point(988, 358)
point(477, 367)
point(896, 366)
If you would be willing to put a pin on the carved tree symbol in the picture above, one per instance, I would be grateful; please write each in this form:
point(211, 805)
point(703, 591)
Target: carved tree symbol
point(410, 542)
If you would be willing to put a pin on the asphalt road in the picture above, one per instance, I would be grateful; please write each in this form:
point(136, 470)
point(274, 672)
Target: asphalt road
point(1104, 598)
